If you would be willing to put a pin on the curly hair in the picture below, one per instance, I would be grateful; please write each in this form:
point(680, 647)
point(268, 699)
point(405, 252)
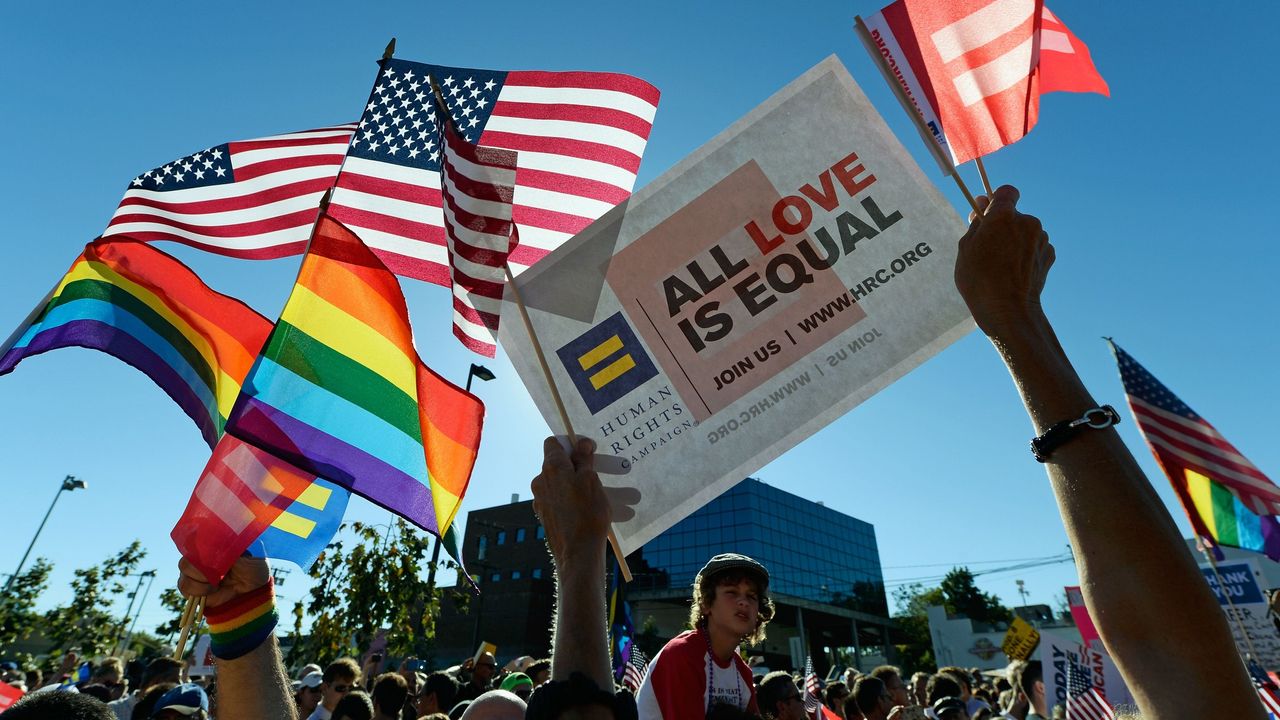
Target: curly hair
point(704, 593)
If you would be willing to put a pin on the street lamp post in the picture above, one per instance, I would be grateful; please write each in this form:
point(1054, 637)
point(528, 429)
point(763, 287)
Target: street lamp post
point(150, 575)
point(484, 373)
point(69, 483)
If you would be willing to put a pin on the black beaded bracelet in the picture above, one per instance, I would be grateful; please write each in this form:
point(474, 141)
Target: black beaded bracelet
point(1098, 418)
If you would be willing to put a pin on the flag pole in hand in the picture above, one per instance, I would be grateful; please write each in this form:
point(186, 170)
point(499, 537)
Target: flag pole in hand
point(925, 134)
point(446, 121)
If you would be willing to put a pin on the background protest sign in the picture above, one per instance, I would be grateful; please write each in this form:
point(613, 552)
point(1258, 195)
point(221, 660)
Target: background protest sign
point(1063, 657)
point(1021, 640)
point(202, 657)
point(783, 273)
point(1242, 583)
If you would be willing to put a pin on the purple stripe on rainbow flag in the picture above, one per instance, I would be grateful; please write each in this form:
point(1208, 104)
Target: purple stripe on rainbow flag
point(97, 335)
point(261, 424)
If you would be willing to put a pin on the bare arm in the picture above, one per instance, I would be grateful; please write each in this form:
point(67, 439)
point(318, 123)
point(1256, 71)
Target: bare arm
point(252, 685)
point(569, 499)
point(1154, 611)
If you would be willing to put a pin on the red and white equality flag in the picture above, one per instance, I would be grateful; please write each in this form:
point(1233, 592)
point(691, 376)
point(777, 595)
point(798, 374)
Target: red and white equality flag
point(476, 188)
point(975, 69)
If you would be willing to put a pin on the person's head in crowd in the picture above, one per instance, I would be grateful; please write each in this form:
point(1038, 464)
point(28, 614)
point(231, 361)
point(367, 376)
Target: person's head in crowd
point(354, 705)
point(919, 688)
point(308, 669)
point(731, 599)
point(97, 691)
point(779, 697)
point(110, 674)
point(517, 683)
point(835, 695)
point(389, 693)
point(961, 676)
point(58, 706)
point(495, 705)
point(146, 703)
point(1029, 680)
point(1013, 702)
point(872, 698)
point(950, 708)
point(35, 679)
point(187, 701)
point(579, 698)
point(436, 694)
point(892, 678)
point(308, 694)
point(337, 680)
point(539, 671)
point(161, 671)
point(484, 669)
point(942, 686)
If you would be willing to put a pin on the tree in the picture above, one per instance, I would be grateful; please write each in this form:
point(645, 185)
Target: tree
point(964, 598)
point(959, 595)
point(176, 603)
point(379, 583)
point(17, 607)
point(86, 622)
point(915, 646)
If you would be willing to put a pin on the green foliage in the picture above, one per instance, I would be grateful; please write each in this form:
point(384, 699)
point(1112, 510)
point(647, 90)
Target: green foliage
point(17, 607)
point(380, 582)
point(175, 602)
point(959, 594)
point(964, 598)
point(86, 622)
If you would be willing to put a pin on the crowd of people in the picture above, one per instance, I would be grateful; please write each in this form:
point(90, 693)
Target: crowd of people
point(1173, 648)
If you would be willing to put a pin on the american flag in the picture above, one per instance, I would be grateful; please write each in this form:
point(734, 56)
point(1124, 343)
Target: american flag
point(812, 688)
point(254, 199)
point(1270, 699)
point(1084, 701)
point(477, 184)
point(634, 671)
point(1182, 440)
point(580, 136)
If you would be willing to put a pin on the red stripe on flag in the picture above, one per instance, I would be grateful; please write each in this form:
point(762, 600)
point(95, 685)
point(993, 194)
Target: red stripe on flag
point(590, 80)
point(575, 113)
point(418, 231)
point(337, 135)
point(405, 192)
point(242, 202)
point(224, 230)
point(550, 219)
point(268, 167)
point(271, 252)
point(582, 149)
point(571, 185)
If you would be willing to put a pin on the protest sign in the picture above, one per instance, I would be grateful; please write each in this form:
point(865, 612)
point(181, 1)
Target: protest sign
point(1243, 598)
point(202, 657)
point(789, 269)
point(1021, 640)
point(1063, 657)
point(1081, 617)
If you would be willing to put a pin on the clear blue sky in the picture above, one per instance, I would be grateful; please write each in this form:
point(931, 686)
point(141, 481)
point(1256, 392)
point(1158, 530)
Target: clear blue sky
point(1160, 201)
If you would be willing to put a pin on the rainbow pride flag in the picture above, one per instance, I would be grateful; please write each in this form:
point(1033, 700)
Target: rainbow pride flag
point(129, 300)
point(1219, 517)
point(134, 302)
point(340, 391)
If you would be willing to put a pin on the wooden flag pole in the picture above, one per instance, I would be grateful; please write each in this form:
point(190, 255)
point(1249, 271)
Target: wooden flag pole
point(192, 614)
point(925, 133)
point(555, 396)
point(1253, 654)
point(442, 108)
point(982, 172)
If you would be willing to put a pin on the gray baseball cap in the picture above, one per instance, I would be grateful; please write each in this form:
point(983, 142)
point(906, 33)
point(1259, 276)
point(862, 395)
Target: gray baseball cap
point(735, 561)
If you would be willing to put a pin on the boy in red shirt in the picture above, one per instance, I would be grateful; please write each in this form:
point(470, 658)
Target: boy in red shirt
point(701, 668)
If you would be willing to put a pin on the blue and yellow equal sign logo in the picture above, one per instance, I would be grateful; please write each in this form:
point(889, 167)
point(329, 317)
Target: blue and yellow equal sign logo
point(306, 527)
point(607, 362)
